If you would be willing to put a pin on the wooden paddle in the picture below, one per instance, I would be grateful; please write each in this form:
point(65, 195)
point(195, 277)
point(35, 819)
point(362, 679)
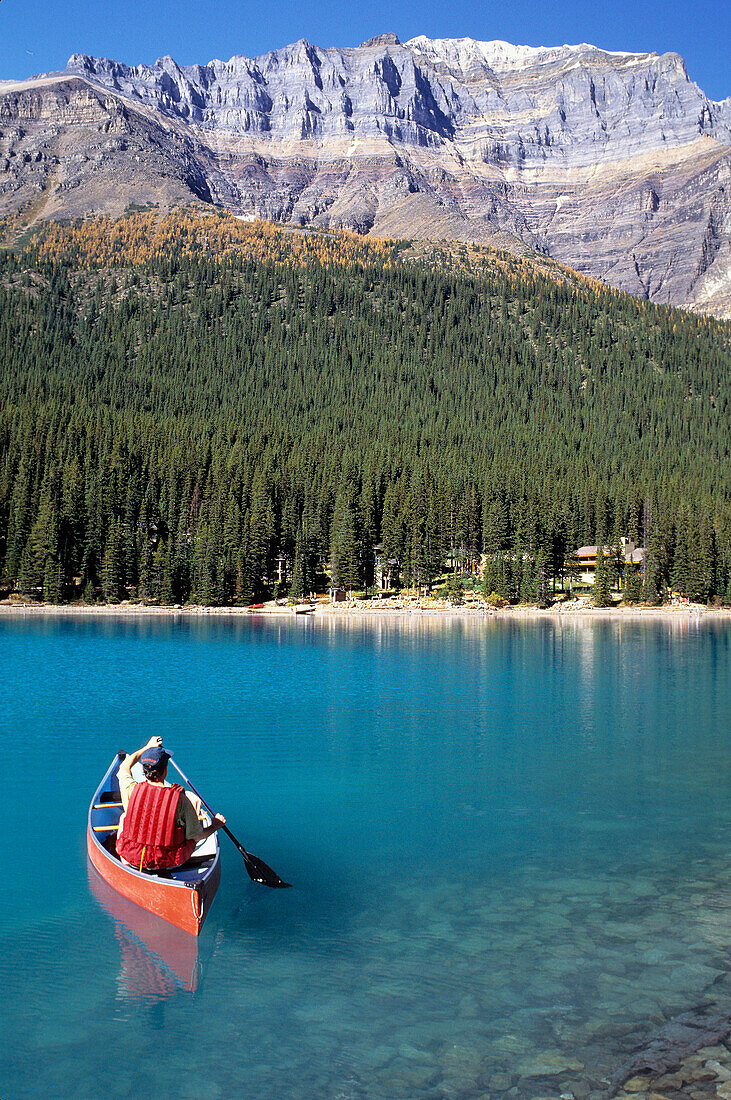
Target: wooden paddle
point(257, 868)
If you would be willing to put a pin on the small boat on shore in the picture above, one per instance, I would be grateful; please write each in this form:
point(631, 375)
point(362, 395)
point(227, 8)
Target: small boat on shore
point(181, 896)
point(281, 608)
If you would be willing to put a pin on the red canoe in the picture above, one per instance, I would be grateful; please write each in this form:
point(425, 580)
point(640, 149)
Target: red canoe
point(182, 896)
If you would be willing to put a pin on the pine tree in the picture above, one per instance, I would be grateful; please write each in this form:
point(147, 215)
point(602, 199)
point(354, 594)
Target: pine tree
point(297, 587)
point(53, 581)
point(180, 562)
point(261, 532)
point(20, 517)
point(111, 577)
point(653, 588)
point(243, 593)
point(455, 592)
point(93, 526)
point(632, 584)
point(496, 526)
point(681, 574)
point(392, 536)
point(705, 560)
point(526, 577)
point(204, 567)
point(40, 562)
point(137, 404)
point(542, 574)
point(602, 594)
point(144, 554)
point(166, 581)
point(345, 564)
point(157, 579)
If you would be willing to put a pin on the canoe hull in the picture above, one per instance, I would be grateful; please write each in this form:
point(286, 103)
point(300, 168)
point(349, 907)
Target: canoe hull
point(184, 906)
point(183, 899)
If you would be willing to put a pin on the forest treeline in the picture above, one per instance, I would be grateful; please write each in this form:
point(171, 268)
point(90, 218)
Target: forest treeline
point(183, 421)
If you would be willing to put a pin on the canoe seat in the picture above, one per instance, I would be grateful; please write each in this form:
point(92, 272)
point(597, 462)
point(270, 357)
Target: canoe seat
point(110, 798)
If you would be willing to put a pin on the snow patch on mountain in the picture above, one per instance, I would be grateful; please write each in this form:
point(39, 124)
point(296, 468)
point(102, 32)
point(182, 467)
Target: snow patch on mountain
point(462, 54)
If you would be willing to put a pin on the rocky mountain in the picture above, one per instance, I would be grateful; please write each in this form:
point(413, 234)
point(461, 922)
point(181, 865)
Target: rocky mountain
point(614, 163)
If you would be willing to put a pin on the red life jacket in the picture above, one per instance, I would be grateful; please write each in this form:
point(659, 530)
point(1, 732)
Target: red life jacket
point(150, 837)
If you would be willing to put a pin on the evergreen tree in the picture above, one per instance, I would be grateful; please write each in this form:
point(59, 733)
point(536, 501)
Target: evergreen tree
point(681, 580)
point(496, 526)
point(455, 592)
point(243, 592)
point(40, 563)
point(526, 576)
point(111, 572)
point(653, 587)
point(204, 567)
point(602, 594)
point(144, 555)
point(53, 580)
point(542, 575)
point(158, 584)
point(261, 532)
point(632, 585)
point(705, 560)
point(297, 587)
point(345, 565)
point(392, 536)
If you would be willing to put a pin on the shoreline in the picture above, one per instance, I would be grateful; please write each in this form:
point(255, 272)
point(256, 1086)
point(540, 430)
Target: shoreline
point(377, 610)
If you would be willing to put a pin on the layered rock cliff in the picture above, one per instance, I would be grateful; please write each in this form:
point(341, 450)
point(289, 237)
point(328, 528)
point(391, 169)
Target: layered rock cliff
point(616, 164)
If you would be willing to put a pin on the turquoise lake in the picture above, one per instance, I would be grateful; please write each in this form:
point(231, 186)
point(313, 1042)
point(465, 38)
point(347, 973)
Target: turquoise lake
point(508, 842)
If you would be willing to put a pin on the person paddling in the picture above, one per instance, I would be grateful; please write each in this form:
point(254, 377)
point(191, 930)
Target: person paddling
point(159, 827)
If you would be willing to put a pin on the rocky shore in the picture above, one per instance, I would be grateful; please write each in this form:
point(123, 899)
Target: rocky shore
point(400, 607)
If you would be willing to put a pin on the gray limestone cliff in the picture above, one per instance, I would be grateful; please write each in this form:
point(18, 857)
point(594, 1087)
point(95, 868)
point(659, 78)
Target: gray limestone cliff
point(614, 163)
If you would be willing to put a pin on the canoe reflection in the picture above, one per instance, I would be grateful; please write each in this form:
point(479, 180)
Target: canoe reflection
point(158, 960)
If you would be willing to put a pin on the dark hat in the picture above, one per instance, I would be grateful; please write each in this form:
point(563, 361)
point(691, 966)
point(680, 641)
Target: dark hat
point(154, 759)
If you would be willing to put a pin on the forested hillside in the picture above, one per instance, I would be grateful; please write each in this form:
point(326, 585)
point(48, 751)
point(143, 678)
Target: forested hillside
point(185, 400)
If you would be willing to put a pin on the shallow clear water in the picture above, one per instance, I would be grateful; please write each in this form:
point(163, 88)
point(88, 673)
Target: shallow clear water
point(508, 843)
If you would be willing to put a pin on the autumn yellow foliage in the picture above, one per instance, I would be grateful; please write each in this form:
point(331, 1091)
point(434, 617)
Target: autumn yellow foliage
point(142, 236)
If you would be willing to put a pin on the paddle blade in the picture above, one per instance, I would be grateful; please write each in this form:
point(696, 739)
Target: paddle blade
point(260, 872)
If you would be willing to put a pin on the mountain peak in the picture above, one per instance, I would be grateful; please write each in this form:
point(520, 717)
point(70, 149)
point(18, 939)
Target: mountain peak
point(388, 39)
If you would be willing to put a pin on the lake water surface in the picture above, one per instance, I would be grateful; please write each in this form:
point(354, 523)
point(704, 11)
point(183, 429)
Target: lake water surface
point(508, 843)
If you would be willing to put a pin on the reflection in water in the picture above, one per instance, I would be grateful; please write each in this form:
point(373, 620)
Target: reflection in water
point(158, 960)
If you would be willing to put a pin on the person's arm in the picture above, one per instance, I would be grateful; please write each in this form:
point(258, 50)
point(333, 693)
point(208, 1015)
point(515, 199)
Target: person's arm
point(218, 821)
point(195, 802)
point(190, 821)
point(124, 773)
point(125, 768)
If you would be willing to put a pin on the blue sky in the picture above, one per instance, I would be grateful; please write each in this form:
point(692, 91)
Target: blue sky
point(39, 36)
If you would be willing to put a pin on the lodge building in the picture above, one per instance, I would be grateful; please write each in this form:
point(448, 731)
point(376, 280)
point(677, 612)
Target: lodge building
point(584, 560)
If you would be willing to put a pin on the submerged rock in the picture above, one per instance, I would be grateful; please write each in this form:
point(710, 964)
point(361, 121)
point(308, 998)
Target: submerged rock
point(549, 1063)
point(668, 1047)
